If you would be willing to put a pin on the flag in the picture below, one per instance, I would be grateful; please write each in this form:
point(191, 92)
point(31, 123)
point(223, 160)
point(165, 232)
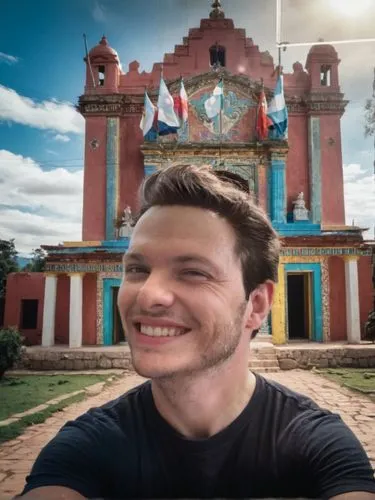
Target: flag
point(181, 105)
point(148, 116)
point(168, 123)
point(263, 122)
point(278, 113)
point(215, 103)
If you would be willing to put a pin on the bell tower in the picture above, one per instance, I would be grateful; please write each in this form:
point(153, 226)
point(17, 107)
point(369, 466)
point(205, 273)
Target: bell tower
point(105, 71)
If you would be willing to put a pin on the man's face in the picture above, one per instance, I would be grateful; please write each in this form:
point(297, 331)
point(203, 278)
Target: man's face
point(182, 300)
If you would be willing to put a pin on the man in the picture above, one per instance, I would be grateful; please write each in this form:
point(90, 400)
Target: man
point(198, 281)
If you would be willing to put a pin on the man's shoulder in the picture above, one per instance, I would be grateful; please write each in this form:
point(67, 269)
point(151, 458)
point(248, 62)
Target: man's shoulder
point(292, 414)
point(115, 415)
point(276, 394)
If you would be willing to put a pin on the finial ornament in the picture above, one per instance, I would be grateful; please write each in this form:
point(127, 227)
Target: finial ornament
point(217, 11)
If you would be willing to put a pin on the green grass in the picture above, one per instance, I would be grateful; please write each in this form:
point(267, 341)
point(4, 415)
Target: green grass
point(358, 379)
point(23, 392)
point(12, 431)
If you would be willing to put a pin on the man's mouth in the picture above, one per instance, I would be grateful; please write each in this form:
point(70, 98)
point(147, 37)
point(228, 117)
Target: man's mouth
point(160, 331)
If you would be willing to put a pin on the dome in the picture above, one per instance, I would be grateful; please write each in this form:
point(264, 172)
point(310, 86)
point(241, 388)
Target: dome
point(103, 49)
point(323, 50)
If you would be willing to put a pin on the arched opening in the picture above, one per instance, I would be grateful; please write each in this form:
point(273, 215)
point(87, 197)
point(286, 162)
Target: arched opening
point(217, 56)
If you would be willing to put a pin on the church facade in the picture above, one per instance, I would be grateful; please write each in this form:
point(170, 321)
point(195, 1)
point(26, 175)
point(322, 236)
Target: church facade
point(324, 290)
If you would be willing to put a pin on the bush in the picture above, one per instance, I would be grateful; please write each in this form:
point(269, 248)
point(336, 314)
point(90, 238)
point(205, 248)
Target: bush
point(370, 327)
point(10, 348)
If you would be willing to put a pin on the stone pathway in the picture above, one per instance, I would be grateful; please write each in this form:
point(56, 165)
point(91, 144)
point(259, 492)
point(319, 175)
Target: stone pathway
point(17, 456)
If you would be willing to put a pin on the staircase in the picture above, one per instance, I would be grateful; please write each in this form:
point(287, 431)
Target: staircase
point(263, 357)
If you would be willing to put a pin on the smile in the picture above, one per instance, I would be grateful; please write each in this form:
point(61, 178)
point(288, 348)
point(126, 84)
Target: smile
point(160, 331)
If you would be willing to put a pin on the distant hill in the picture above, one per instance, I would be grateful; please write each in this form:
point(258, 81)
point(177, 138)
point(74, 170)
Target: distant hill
point(22, 262)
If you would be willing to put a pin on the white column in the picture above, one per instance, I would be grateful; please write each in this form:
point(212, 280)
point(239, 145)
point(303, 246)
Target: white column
point(49, 309)
point(352, 300)
point(75, 310)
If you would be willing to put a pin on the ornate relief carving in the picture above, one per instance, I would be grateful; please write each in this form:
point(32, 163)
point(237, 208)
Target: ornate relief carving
point(117, 104)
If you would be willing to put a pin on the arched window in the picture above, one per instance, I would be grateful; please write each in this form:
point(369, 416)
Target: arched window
point(217, 56)
point(101, 75)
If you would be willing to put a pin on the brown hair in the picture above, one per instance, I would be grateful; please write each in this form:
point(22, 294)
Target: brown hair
point(223, 193)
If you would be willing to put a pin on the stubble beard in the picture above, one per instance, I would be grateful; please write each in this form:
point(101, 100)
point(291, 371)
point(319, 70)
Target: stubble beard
point(225, 339)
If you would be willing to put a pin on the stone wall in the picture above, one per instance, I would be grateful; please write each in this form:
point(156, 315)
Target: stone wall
point(51, 359)
point(287, 357)
point(324, 356)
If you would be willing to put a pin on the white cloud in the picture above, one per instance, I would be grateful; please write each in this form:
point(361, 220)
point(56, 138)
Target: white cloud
point(61, 138)
point(38, 207)
point(359, 191)
point(99, 13)
point(50, 115)
point(8, 59)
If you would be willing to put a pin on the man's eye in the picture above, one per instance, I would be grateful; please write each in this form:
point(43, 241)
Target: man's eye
point(194, 273)
point(135, 270)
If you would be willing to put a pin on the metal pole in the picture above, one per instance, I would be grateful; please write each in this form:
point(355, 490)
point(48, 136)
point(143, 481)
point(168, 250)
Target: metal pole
point(330, 42)
point(278, 34)
point(88, 61)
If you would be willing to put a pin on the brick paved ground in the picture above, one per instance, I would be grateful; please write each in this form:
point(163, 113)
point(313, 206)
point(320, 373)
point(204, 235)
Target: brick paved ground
point(17, 456)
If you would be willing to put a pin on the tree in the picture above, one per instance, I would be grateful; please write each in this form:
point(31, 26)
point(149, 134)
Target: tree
point(38, 261)
point(8, 262)
point(370, 115)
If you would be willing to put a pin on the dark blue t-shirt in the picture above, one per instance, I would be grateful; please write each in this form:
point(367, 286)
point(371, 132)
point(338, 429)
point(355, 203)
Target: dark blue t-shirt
point(281, 445)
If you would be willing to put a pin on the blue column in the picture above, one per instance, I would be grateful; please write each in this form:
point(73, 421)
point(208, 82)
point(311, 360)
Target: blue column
point(112, 176)
point(315, 169)
point(277, 191)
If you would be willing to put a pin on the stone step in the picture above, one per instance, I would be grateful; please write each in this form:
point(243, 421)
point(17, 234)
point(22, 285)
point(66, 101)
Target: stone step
point(267, 357)
point(257, 363)
point(272, 369)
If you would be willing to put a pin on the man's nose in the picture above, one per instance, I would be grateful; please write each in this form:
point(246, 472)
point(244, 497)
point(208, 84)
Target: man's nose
point(156, 292)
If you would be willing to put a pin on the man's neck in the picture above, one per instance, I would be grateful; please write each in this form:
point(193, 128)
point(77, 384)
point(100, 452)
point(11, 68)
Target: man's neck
point(202, 405)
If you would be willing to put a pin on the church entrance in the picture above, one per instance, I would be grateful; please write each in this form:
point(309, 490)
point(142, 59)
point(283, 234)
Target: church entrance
point(299, 305)
point(118, 334)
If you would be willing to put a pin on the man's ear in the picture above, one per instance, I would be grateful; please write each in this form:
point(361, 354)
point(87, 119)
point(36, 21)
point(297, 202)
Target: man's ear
point(259, 304)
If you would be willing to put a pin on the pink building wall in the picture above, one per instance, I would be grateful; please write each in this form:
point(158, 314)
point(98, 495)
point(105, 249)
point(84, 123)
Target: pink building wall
point(24, 286)
point(62, 310)
point(337, 299)
point(93, 222)
point(297, 168)
point(333, 211)
point(365, 289)
point(89, 310)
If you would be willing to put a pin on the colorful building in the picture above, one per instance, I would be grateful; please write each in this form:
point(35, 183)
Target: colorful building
point(324, 293)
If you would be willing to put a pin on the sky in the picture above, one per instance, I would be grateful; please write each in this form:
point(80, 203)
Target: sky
point(42, 74)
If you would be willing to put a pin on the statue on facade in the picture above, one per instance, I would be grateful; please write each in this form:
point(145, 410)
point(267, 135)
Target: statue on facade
point(127, 221)
point(300, 211)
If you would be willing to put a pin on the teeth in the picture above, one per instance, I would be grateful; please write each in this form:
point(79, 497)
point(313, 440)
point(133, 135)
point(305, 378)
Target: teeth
point(160, 332)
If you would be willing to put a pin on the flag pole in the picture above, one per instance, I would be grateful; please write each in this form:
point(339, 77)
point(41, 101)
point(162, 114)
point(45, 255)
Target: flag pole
point(278, 34)
point(221, 123)
point(88, 60)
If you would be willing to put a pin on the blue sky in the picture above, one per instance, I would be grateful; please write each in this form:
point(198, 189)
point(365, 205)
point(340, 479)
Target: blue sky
point(42, 74)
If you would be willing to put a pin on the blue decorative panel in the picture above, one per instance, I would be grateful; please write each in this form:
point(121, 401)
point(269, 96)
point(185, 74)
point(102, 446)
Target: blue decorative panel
point(108, 285)
point(297, 228)
point(316, 295)
point(112, 169)
point(277, 192)
point(235, 108)
point(265, 329)
point(149, 169)
point(315, 168)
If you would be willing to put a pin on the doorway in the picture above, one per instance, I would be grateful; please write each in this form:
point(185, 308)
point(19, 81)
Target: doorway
point(118, 334)
point(299, 305)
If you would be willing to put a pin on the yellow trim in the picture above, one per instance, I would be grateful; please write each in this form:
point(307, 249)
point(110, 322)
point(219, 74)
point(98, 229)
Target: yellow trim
point(278, 309)
point(285, 259)
point(70, 244)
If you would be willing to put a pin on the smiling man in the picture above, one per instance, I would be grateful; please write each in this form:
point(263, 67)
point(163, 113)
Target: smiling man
point(198, 282)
